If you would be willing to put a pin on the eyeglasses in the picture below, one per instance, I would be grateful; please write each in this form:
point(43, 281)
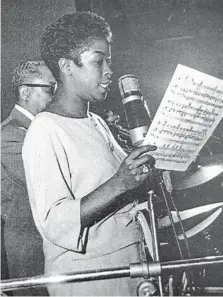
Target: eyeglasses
point(51, 87)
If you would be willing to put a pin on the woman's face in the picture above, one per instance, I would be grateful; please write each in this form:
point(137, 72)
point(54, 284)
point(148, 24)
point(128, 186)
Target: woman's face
point(92, 79)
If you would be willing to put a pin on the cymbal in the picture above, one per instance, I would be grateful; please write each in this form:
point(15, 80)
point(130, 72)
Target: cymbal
point(205, 170)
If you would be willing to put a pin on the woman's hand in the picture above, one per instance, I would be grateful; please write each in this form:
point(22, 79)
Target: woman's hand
point(135, 168)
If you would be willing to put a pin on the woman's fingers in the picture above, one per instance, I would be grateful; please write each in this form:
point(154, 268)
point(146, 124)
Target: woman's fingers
point(142, 159)
point(136, 153)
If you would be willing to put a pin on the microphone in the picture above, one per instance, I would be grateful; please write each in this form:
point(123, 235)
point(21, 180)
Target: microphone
point(136, 110)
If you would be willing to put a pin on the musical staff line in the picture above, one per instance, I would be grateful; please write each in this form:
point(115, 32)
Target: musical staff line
point(187, 120)
point(197, 100)
point(191, 109)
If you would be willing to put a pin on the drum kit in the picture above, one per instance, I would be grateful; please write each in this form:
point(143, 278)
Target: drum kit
point(202, 171)
point(198, 193)
point(189, 239)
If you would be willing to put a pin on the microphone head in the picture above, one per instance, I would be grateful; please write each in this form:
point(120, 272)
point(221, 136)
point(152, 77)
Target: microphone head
point(136, 114)
point(129, 85)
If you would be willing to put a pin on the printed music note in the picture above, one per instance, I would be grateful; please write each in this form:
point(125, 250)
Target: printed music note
point(191, 109)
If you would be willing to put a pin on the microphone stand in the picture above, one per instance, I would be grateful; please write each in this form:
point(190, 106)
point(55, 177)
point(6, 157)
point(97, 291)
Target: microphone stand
point(149, 287)
point(141, 269)
point(186, 283)
point(153, 226)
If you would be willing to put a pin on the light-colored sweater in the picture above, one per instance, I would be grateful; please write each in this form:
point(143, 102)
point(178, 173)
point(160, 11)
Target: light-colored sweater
point(65, 159)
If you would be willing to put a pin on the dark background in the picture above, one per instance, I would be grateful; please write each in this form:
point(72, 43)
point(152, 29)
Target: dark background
point(150, 38)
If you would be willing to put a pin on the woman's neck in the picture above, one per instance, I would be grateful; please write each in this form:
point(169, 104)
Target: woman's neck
point(68, 106)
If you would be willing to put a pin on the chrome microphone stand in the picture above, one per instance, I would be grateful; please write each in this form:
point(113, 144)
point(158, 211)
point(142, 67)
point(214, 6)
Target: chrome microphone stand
point(149, 287)
point(134, 270)
point(188, 283)
point(152, 286)
point(153, 226)
point(152, 197)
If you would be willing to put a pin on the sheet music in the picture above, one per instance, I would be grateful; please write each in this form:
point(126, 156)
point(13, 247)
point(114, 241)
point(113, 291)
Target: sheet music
point(190, 110)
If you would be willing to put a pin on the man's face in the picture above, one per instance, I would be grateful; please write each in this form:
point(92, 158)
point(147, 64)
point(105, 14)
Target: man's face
point(41, 96)
point(92, 79)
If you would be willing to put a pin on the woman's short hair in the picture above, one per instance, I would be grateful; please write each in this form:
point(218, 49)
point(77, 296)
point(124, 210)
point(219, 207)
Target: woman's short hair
point(71, 35)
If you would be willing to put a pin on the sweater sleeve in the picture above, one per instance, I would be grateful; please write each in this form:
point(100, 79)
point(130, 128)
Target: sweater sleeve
point(56, 211)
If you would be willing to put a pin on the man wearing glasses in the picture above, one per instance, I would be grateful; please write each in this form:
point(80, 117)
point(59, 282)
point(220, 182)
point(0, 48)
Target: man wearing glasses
point(34, 87)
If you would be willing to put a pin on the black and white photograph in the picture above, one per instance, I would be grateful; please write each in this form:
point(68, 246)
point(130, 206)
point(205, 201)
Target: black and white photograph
point(111, 148)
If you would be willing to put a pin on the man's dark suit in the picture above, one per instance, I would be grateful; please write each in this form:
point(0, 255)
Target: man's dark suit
point(23, 243)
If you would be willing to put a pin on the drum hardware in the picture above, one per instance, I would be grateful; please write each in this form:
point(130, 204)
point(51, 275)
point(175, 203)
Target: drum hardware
point(134, 270)
point(152, 197)
point(204, 170)
point(205, 215)
point(215, 208)
point(201, 171)
point(204, 235)
point(147, 288)
point(188, 283)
